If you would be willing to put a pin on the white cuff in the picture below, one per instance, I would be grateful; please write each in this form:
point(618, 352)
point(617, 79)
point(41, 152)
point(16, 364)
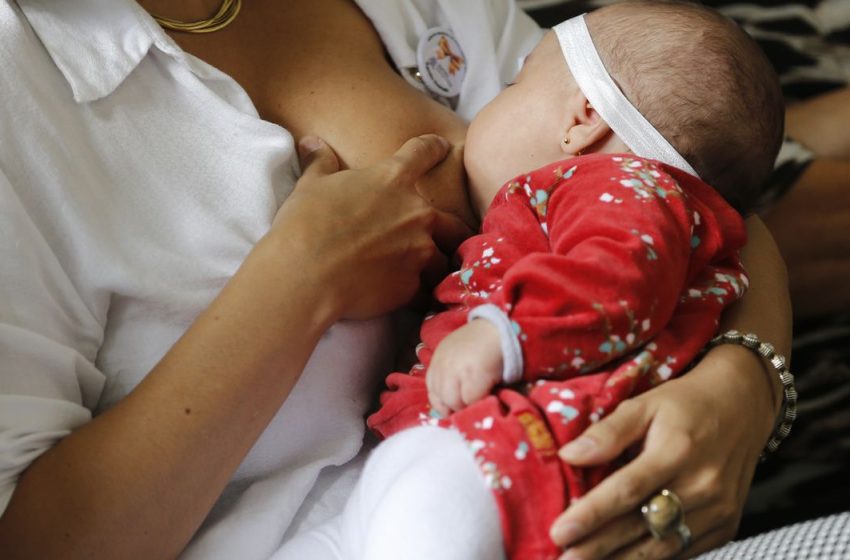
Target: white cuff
point(511, 349)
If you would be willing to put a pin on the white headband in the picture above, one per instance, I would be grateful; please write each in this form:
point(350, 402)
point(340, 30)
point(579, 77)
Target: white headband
point(596, 84)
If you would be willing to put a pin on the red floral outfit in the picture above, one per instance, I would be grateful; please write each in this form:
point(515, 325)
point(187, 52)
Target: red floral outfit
point(613, 271)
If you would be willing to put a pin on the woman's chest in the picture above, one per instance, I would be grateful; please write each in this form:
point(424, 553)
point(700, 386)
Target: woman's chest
point(303, 64)
point(319, 68)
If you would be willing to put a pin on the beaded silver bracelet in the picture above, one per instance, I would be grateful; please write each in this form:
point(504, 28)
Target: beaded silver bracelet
point(777, 361)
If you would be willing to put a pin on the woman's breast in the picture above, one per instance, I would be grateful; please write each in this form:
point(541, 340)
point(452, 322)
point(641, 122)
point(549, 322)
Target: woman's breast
point(319, 68)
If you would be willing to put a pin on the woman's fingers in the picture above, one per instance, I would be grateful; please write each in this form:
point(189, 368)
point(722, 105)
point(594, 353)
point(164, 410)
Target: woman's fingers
point(317, 158)
point(695, 444)
point(629, 537)
point(709, 541)
point(672, 458)
point(417, 156)
point(705, 535)
point(648, 547)
point(621, 493)
point(665, 451)
point(370, 228)
point(617, 534)
point(608, 438)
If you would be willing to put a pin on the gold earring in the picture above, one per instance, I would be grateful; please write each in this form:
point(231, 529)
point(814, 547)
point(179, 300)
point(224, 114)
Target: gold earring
point(566, 140)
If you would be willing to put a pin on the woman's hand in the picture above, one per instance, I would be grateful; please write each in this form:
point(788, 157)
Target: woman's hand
point(344, 244)
point(701, 436)
point(366, 234)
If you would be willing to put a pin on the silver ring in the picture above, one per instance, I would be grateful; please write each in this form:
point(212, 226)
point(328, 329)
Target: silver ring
point(684, 533)
point(664, 516)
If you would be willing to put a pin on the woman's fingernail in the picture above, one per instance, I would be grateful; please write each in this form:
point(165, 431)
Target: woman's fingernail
point(431, 136)
point(565, 532)
point(309, 144)
point(577, 449)
point(570, 555)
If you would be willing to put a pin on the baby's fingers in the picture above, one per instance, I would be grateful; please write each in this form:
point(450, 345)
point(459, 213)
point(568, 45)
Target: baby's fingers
point(437, 404)
point(449, 392)
point(442, 388)
point(475, 388)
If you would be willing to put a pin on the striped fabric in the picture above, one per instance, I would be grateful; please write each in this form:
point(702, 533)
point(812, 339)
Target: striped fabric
point(827, 538)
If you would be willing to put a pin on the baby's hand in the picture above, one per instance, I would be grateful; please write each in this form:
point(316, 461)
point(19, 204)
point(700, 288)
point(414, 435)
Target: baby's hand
point(466, 365)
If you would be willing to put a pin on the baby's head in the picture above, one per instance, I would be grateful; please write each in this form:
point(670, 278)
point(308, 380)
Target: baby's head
point(700, 81)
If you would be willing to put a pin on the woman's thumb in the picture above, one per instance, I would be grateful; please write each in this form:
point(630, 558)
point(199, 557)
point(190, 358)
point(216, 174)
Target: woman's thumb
point(317, 158)
point(607, 439)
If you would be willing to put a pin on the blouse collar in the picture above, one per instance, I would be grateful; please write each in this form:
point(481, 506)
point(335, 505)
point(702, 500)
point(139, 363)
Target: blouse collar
point(95, 44)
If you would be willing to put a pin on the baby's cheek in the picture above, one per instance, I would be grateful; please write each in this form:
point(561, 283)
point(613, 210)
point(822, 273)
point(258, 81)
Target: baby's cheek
point(478, 165)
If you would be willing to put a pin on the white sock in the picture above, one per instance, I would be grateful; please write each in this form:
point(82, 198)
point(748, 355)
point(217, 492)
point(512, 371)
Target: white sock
point(421, 496)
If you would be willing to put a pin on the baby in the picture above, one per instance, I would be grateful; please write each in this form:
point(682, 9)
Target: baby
point(594, 277)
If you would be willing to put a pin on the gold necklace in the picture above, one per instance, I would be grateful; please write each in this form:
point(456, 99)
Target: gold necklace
point(227, 12)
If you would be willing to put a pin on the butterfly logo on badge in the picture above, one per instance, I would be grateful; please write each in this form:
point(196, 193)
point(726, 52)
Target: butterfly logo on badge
point(441, 65)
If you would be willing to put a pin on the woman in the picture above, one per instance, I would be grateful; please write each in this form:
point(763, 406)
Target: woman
point(141, 202)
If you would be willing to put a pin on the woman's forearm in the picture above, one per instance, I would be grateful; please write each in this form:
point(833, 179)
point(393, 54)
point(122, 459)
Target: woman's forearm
point(137, 481)
point(764, 310)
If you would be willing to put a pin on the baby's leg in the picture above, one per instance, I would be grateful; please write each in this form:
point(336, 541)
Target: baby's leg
point(421, 496)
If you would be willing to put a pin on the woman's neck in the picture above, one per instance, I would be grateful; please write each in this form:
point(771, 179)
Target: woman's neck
point(184, 10)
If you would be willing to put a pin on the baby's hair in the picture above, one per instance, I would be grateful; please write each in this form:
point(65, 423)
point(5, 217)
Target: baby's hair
point(703, 83)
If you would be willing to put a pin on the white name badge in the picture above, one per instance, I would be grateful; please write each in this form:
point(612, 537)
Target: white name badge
point(442, 64)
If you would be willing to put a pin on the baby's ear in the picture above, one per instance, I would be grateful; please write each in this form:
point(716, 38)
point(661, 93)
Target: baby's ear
point(585, 130)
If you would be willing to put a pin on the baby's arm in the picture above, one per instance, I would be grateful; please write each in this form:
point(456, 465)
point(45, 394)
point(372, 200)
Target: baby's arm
point(621, 244)
point(623, 239)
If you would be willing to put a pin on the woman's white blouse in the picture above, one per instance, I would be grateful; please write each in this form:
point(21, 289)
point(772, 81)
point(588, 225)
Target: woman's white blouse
point(134, 179)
